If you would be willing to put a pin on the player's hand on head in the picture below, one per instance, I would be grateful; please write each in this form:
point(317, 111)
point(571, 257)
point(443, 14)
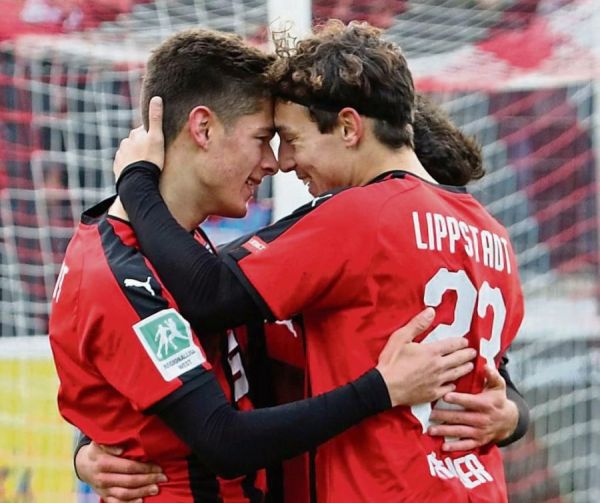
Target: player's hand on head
point(117, 479)
point(487, 417)
point(419, 373)
point(142, 145)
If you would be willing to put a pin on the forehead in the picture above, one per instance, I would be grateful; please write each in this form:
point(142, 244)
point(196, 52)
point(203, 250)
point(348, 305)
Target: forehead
point(291, 117)
point(261, 119)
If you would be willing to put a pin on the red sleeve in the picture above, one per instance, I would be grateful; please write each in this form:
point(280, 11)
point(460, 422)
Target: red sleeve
point(285, 342)
point(146, 368)
point(316, 257)
point(131, 333)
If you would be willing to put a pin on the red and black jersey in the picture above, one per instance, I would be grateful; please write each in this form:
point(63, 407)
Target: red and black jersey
point(275, 367)
point(285, 348)
point(121, 350)
point(359, 264)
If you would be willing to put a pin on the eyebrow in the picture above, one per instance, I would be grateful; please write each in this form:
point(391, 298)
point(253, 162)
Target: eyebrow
point(269, 130)
point(283, 129)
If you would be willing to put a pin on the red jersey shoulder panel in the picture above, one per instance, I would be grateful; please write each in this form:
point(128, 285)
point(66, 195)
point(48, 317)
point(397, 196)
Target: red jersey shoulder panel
point(326, 244)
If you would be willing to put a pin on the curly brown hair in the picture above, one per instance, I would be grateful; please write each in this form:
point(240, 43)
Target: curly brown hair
point(204, 67)
point(348, 66)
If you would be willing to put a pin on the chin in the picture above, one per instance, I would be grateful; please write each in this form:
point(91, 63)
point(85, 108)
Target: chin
point(235, 211)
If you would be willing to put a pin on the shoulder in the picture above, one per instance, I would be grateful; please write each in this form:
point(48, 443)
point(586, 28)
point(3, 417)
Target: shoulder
point(353, 206)
point(128, 272)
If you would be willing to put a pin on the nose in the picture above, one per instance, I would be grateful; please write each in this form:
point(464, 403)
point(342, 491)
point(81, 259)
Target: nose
point(286, 157)
point(269, 163)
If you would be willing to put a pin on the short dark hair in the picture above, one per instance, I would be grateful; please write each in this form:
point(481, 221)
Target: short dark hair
point(204, 67)
point(448, 155)
point(348, 65)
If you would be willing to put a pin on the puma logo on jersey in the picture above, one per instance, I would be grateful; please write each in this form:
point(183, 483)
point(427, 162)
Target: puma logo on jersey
point(140, 284)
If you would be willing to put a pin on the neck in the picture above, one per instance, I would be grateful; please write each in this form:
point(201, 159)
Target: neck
point(117, 210)
point(382, 161)
point(180, 195)
point(185, 200)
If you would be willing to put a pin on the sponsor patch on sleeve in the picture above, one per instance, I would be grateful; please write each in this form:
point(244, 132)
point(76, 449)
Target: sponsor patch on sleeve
point(255, 245)
point(167, 338)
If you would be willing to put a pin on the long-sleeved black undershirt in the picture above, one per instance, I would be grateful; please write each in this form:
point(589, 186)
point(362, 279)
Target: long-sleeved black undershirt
point(230, 442)
point(206, 290)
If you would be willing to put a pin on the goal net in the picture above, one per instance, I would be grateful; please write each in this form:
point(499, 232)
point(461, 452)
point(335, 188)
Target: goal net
point(520, 75)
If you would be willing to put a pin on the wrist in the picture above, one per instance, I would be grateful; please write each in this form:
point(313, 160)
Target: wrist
point(382, 375)
point(373, 391)
point(83, 442)
point(143, 168)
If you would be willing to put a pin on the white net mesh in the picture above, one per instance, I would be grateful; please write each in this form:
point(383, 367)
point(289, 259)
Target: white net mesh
point(520, 75)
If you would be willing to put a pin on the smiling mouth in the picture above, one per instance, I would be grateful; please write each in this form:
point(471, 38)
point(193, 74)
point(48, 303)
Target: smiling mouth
point(305, 180)
point(252, 184)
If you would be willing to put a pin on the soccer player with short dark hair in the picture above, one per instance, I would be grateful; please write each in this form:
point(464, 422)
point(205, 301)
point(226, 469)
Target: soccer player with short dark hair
point(356, 261)
point(129, 363)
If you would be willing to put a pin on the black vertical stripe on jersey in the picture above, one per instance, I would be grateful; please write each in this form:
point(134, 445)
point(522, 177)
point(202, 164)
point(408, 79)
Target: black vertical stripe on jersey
point(261, 392)
point(127, 262)
point(258, 369)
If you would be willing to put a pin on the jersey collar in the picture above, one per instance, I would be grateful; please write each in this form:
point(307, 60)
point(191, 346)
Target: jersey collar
point(388, 175)
point(97, 211)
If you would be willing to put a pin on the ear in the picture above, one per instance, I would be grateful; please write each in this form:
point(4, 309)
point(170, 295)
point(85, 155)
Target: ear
point(201, 122)
point(351, 126)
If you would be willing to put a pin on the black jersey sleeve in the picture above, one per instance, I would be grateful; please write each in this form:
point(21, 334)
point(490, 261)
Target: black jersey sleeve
point(207, 292)
point(232, 442)
point(513, 394)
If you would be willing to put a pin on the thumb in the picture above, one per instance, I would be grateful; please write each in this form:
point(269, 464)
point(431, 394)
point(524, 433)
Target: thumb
point(155, 117)
point(416, 326)
point(112, 449)
point(493, 379)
